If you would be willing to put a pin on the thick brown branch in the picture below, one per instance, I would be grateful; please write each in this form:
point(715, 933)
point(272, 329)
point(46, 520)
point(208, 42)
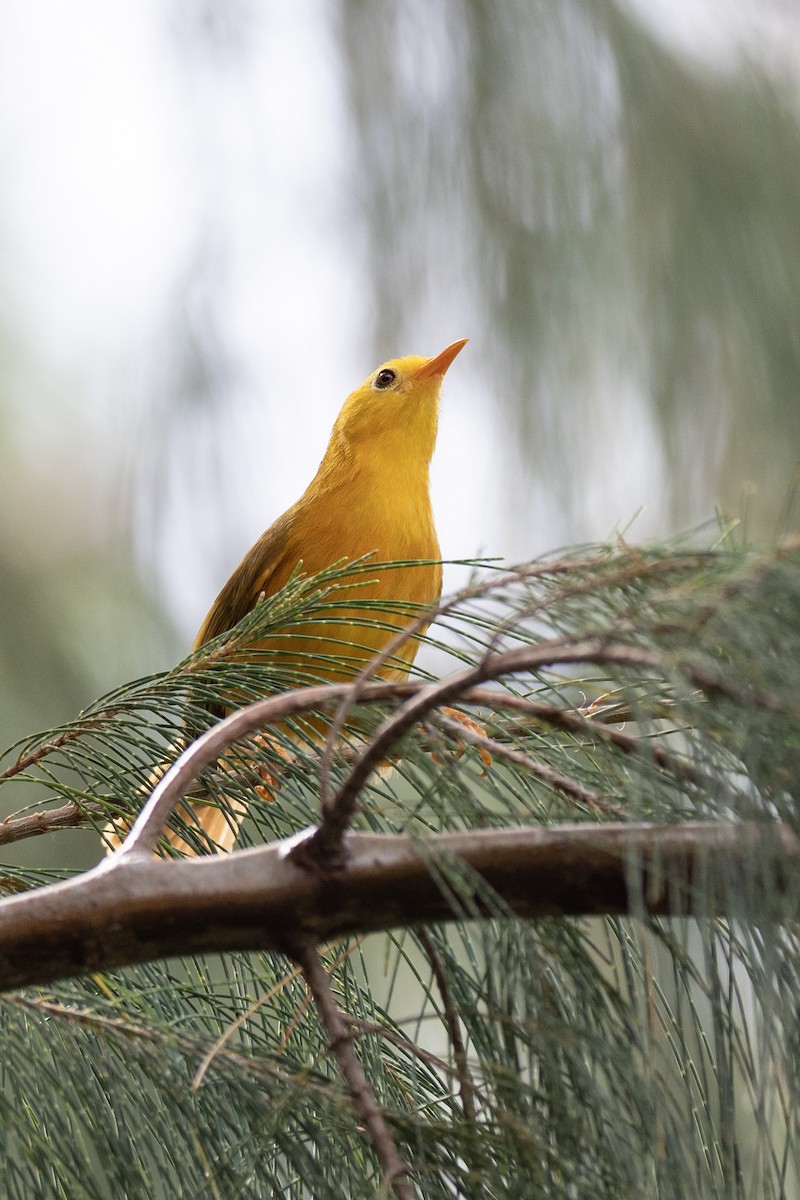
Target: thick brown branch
point(334, 1023)
point(138, 908)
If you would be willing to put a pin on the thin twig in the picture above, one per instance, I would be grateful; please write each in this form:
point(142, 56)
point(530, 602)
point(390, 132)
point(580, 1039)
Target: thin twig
point(615, 576)
point(562, 783)
point(364, 1100)
point(14, 829)
point(465, 1085)
point(576, 721)
point(33, 756)
point(227, 1033)
point(173, 786)
point(354, 695)
point(124, 1029)
point(401, 1040)
point(349, 948)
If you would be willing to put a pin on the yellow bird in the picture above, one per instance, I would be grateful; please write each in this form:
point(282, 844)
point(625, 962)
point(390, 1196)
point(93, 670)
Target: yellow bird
point(370, 495)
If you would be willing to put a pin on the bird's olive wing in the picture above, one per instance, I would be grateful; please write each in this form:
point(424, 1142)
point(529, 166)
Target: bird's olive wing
point(264, 569)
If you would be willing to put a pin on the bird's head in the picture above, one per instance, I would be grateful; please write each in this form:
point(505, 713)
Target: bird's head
point(398, 400)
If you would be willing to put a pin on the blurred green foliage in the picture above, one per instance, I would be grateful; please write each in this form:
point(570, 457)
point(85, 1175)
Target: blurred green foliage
point(621, 217)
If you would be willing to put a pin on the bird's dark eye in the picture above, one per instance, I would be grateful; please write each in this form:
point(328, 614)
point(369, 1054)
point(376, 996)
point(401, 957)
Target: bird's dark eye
point(384, 378)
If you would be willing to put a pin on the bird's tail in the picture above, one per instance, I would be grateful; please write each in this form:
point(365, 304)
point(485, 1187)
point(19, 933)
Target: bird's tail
point(217, 824)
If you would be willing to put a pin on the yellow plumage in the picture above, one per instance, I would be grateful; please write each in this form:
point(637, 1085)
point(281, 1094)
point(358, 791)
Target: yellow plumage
point(370, 495)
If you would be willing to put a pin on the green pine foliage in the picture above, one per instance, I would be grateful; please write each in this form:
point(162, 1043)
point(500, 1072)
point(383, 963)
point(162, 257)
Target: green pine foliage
point(561, 1057)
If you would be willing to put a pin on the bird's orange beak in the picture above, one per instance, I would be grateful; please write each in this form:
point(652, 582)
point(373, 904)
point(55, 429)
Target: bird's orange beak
point(438, 365)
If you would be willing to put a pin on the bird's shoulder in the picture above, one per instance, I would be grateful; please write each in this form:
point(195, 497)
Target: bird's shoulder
point(265, 568)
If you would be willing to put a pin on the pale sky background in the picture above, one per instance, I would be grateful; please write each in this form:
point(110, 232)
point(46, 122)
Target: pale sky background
point(120, 145)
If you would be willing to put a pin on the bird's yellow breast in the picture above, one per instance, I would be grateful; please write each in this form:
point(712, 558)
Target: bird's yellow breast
point(370, 496)
point(325, 528)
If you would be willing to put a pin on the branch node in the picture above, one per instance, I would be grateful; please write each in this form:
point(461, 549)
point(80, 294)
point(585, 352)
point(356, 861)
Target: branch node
point(313, 852)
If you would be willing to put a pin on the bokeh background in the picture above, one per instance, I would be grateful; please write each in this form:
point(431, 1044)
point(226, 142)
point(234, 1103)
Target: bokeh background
point(216, 219)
